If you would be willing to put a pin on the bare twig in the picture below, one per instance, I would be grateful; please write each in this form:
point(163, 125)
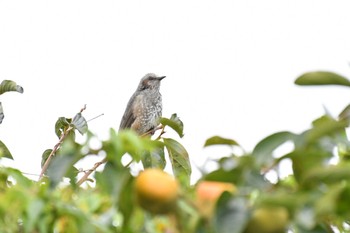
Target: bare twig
point(88, 172)
point(161, 132)
point(53, 152)
point(30, 174)
point(56, 147)
point(152, 131)
point(274, 164)
point(95, 117)
point(83, 108)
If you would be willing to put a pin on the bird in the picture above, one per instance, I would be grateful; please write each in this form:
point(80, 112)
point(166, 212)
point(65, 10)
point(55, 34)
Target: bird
point(144, 108)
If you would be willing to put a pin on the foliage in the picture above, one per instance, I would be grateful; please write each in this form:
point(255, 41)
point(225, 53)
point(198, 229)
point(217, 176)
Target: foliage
point(7, 86)
point(313, 199)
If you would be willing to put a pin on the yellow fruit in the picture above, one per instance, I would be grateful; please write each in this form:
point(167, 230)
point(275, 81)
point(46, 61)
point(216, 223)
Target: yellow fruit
point(268, 220)
point(207, 194)
point(156, 191)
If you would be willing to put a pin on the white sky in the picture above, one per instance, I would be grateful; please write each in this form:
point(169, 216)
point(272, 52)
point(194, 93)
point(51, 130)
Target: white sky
point(230, 66)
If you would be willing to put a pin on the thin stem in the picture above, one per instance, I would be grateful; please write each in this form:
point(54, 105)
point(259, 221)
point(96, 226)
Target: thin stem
point(102, 114)
point(53, 152)
point(129, 163)
point(88, 172)
point(161, 132)
point(152, 131)
point(274, 164)
point(83, 108)
point(56, 147)
point(29, 174)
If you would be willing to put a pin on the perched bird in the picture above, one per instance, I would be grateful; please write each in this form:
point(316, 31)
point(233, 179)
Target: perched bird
point(144, 107)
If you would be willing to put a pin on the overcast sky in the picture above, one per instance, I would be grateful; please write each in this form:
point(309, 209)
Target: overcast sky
point(230, 66)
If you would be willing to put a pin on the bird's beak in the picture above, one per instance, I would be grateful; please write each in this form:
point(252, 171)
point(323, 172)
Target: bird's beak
point(160, 78)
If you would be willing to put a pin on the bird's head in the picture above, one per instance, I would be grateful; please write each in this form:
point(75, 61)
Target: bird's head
point(150, 81)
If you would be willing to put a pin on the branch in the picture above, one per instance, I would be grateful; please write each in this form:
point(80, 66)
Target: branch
point(53, 152)
point(102, 114)
point(88, 172)
point(83, 108)
point(56, 147)
point(274, 164)
point(152, 131)
point(162, 127)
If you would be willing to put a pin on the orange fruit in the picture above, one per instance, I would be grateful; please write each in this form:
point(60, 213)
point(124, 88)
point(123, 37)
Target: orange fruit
point(156, 190)
point(207, 194)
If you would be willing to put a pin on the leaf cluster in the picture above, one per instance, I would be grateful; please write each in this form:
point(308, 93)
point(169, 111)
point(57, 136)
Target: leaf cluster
point(7, 86)
point(101, 198)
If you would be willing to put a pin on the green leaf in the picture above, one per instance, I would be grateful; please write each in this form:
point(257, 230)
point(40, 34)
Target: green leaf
point(175, 123)
point(62, 125)
point(263, 151)
point(114, 148)
point(345, 114)
point(242, 172)
point(217, 140)
point(343, 149)
point(179, 160)
point(62, 163)
point(321, 228)
point(4, 151)
point(322, 78)
point(132, 144)
point(45, 156)
point(127, 141)
point(154, 158)
point(231, 214)
point(233, 176)
point(8, 85)
point(329, 202)
point(34, 210)
point(306, 159)
point(127, 200)
point(112, 180)
point(324, 126)
point(329, 175)
point(16, 175)
point(279, 198)
point(80, 123)
point(1, 113)
point(61, 166)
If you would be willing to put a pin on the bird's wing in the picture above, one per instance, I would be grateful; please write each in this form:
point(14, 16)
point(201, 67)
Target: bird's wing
point(127, 120)
point(128, 117)
point(131, 113)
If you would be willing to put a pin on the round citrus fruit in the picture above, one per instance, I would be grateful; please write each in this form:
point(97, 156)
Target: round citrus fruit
point(156, 191)
point(207, 194)
point(268, 220)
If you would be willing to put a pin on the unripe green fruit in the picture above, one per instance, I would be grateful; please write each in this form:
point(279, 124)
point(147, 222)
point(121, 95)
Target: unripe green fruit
point(268, 220)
